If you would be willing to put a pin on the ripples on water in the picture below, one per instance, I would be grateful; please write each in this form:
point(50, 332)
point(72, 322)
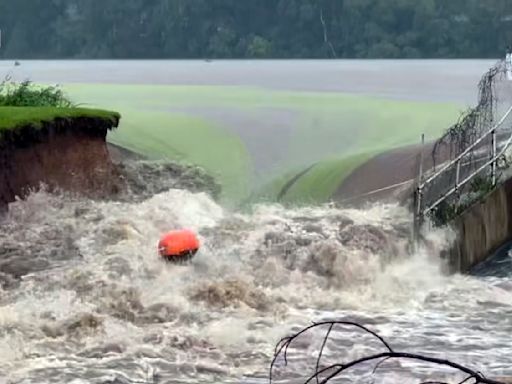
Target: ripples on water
point(96, 305)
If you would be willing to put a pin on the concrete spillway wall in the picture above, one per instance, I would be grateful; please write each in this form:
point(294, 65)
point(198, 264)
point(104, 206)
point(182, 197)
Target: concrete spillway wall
point(482, 229)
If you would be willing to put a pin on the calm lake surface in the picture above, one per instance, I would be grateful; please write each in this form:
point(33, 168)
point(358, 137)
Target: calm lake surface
point(434, 80)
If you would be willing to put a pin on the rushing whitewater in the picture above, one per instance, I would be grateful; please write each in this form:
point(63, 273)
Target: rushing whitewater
point(86, 299)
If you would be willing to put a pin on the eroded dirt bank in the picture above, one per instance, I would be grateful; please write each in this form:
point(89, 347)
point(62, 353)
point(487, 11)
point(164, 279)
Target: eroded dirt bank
point(68, 154)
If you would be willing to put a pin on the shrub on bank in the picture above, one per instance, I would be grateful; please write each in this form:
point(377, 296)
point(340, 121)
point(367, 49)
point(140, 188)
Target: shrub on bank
point(28, 94)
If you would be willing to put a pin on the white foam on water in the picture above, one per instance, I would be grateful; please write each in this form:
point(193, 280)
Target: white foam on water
point(256, 275)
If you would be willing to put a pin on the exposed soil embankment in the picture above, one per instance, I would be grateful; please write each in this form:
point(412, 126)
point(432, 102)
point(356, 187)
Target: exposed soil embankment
point(390, 176)
point(387, 176)
point(69, 154)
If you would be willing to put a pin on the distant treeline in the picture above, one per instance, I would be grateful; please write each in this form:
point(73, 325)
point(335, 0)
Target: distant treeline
point(255, 28)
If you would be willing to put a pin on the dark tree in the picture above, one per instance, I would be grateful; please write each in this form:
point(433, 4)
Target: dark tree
point(255, 29)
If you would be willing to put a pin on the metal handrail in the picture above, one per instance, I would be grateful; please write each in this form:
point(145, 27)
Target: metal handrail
point(467, 150)
point(458, 185)
point(421, 212)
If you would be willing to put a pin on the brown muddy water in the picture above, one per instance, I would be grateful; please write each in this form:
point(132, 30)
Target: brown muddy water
point(85, 298)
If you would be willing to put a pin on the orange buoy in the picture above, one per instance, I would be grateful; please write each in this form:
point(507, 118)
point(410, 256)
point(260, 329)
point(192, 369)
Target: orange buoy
point(178, 245)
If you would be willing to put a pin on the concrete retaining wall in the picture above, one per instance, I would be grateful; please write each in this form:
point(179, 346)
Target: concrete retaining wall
point(482, 229)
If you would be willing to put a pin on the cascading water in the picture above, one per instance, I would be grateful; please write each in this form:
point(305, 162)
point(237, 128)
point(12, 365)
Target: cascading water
point(85, 298)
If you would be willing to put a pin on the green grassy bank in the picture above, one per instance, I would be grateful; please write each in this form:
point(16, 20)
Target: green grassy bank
point(13, 119)
point(337, 132)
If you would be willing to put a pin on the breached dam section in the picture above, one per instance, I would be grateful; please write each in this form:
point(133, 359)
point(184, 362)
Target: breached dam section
point(62, 151)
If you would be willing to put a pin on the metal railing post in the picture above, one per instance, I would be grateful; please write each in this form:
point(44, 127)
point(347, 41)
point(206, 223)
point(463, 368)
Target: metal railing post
point(418, 217)
point(457, 175)
point(493, 165)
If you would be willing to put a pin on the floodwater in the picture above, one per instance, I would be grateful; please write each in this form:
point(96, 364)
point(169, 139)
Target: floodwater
point(434, 80)
point(85, 298)
point(96, 305)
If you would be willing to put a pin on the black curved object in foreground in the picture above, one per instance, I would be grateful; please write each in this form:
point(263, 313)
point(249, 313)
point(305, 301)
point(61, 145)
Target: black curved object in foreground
point(325, 375)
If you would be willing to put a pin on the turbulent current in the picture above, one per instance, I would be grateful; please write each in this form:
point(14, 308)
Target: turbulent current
point(85, 298)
